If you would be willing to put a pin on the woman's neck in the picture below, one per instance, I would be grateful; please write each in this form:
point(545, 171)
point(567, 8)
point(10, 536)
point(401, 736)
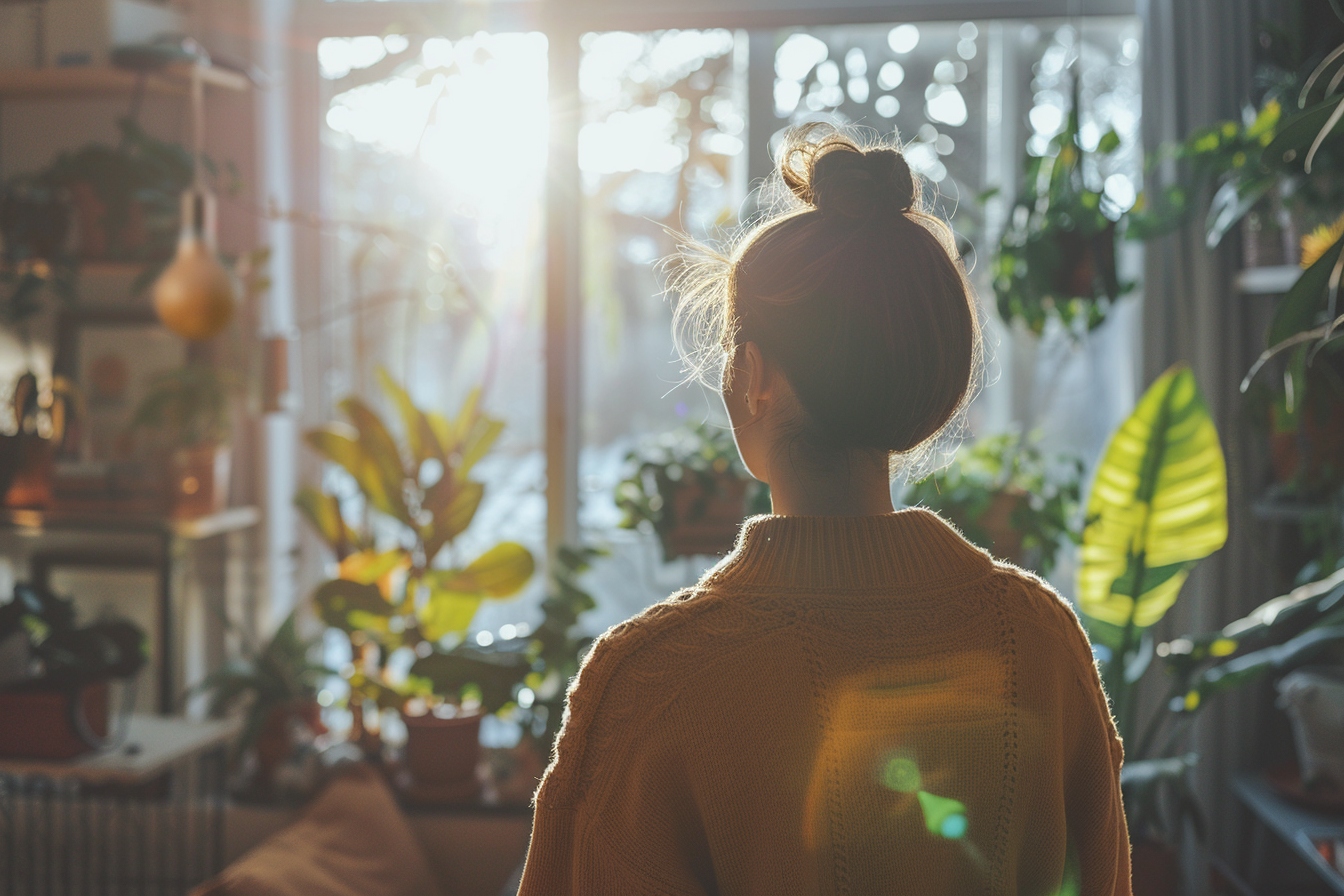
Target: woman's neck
point(852, 483)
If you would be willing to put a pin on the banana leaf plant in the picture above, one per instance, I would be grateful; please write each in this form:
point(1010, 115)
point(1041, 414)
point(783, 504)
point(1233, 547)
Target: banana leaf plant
point(415, 593)
point(1158, 506)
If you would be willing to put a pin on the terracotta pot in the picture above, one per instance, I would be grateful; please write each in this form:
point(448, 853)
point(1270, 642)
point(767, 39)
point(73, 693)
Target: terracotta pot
point(34, 462)
point(442, 754)
point(37, 721)
point(704, 520)
point(1090, 258)
point(1315, 450)
point(1156, 868)
point(198, 481)
point(275, 743)
point(997, 522)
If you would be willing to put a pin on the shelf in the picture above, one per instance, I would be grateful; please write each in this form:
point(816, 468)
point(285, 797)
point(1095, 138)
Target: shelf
point(80, 81)
point(1290, 510)
point(114, 518)
point(1268, 281)
point(153, 744)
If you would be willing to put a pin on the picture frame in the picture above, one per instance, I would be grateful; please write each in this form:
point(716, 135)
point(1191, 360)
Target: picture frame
point(111, 355)
point(130, 585)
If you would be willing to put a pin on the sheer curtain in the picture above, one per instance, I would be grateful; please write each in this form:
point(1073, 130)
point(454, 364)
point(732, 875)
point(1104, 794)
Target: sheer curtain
point(1197, 70)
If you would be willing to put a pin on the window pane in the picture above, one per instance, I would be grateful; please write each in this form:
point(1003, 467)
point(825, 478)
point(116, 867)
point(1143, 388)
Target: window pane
point(434, 155)
point(666, 114)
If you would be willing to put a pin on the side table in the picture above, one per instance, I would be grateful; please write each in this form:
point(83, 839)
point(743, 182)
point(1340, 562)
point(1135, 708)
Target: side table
point(144, 817)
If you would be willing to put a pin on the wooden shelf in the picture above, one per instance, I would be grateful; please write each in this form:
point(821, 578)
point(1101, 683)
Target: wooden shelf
point(81, 81)
point(110, 517)
point(1268, 281)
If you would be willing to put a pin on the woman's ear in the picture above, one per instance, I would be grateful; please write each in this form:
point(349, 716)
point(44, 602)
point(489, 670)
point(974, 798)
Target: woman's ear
point(758, 386)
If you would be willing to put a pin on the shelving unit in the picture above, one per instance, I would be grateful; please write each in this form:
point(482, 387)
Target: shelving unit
point(79, 81)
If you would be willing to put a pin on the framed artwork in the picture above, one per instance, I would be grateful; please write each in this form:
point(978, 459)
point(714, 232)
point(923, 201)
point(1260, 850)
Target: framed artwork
point(126, 586)
point(112, 355)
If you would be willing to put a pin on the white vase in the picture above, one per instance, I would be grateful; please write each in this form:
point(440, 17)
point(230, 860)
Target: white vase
point(1314, 701)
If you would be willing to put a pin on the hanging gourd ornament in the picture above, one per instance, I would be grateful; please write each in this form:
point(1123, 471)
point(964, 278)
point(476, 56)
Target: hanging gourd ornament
point(194, 296)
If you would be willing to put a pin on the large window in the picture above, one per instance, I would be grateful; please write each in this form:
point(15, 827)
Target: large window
point(433, 252)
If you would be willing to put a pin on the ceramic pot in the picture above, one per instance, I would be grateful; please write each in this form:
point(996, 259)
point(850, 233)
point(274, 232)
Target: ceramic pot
point(198, 481)
point(1314, 701)
point(442, 754)
point(1156, 868)
point(42, 721)
point(34, 461)
point(704, 518)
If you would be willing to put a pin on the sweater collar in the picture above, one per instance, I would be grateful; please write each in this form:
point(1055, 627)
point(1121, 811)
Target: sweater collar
point(911, 548)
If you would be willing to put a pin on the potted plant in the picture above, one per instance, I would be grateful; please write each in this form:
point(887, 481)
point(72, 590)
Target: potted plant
point(1056, 258)
point(54, 698)
point(31, 438)
point(189, 411)
point(395, 595)
point(691, 488)
point(277, 688)
point(524, 677)
point(1007, 497)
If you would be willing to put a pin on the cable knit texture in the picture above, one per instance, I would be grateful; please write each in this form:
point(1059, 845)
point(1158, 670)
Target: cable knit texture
point(860, 706)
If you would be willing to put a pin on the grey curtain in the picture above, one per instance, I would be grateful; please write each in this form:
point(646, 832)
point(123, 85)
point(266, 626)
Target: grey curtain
point(1197, 70)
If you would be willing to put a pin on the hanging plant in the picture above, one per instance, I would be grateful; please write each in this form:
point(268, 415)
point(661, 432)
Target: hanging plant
point(1057, 256)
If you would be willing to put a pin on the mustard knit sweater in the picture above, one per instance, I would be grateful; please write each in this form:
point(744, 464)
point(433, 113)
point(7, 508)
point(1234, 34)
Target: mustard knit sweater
point(863, 705)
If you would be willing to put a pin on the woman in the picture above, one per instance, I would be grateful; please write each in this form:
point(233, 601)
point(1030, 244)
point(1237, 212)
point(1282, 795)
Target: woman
point(856, 700)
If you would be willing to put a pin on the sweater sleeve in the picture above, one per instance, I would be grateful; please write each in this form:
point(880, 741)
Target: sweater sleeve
point(1093, 803)
point(615, 813)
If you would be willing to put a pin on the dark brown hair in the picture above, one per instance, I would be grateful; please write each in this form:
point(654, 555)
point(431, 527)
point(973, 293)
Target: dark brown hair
point(857, 294)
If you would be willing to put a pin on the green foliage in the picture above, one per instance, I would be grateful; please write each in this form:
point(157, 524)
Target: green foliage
point(1057, 256)
point(189, 406)
point(543, 664)
point(703, 455)
point(280, 674)
point(403, 596)
point(1158, 505)
point(1044, 494)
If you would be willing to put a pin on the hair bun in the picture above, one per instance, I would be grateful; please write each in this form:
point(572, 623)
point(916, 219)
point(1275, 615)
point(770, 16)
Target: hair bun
point(840, 179)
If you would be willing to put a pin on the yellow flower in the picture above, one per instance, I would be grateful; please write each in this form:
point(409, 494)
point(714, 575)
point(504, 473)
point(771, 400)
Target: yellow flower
point(1315, 244)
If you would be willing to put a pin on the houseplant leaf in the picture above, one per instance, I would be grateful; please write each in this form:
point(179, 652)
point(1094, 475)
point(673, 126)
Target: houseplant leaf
point(447, 613)
point(499, 572)
point(1306, 298)
point(382, 452)
point(452, 519)
point(323, 512)
point(1158, 505)
point(339, 443)
point(349, 605)
point(420, 439)
point(369, 567)
point(1231, 203)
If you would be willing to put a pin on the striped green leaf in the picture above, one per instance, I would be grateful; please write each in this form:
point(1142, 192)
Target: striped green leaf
point(1158, 506)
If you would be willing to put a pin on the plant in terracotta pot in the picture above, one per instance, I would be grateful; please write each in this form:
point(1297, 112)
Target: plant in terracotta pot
point(33, 426)
point(189, 410)
point(409, 594)
point(1157, 506)
point(1009, 498)
point(523, 675)
point(690, 487)
point(1057, 257)
point(276, 686)
point(54, 694)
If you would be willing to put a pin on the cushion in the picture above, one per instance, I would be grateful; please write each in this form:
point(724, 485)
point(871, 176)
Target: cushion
point(352, 840)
